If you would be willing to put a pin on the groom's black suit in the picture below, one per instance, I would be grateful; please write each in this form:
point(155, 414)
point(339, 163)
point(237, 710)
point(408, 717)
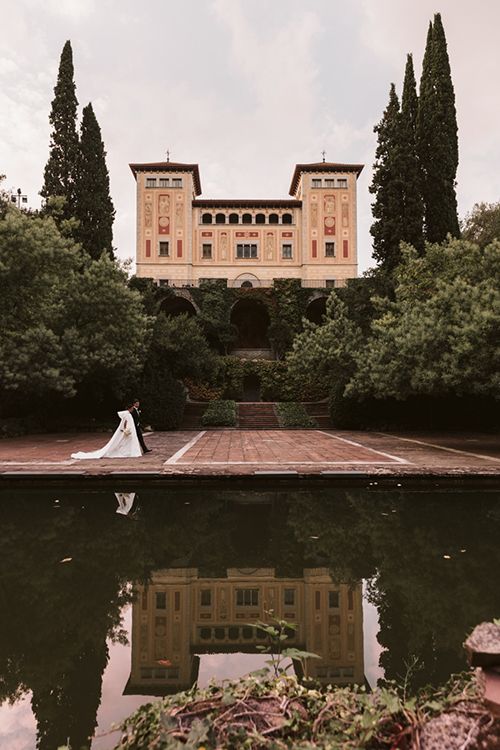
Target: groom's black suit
point(136, 416)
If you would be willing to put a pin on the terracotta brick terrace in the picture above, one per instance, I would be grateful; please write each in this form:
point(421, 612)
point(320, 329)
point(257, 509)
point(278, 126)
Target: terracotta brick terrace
point(259, 452)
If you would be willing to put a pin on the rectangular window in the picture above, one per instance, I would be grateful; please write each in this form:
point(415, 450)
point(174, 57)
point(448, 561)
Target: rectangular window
point(290, 597)
point(317, 600)
point(163, 250)
point(246, 251)
point(177, 601)
point(342, 182)
point(333, 599)
point(150, 182)
point(206, 250)
point(176, 182)
point(163, 282)
point(329, 249)
point(329, 183)
point(316, 183)
point(330, 283)
point(247, 597)
point(161, 599)
point(286, 251)
point(206, 598)
point(164, 182)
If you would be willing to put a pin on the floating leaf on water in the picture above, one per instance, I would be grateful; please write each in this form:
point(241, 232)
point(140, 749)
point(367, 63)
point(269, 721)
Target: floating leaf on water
point(66, 559)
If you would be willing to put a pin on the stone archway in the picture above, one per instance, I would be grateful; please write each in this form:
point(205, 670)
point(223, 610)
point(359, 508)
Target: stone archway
point(246, 281)
point(316, 309)
point(251, 318)
point(177, 305)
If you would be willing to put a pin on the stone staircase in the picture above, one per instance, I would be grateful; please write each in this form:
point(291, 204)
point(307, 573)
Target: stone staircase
point(257, 415)
point(319, 411)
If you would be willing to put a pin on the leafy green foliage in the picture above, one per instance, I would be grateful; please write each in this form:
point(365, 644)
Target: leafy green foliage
point(387, 185)
point(61, 170)
point(277, 631)
point(93, 205)
point(437, 139)
point(438, 337)
point(326, 352)
point(214, 316)
point(220, 414)
point(293, 414)
point(68, 322)
point(282, 714)
point(482, 224)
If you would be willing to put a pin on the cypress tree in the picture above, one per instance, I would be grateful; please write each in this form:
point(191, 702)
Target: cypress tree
point(388, 209)
point(94, 207)
point(437, 139)
point(410, 170)
point(61, 167)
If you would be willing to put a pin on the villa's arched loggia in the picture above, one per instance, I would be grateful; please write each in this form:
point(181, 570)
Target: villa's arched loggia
point(251, 318)
point(177, 305)
point(316, 310)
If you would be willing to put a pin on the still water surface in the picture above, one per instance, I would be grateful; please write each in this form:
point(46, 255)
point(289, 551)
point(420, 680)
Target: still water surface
point(108, 600)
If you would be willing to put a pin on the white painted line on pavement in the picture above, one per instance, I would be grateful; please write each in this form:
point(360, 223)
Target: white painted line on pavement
point(366, 448)
point(173, 459)
point(440, 447)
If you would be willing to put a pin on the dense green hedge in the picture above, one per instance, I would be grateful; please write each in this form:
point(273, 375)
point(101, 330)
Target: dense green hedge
point(293, 414)
point(220, 414)
point(427, 413)
point(163, 399)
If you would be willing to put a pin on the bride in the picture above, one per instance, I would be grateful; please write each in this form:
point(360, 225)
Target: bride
point(123, 444)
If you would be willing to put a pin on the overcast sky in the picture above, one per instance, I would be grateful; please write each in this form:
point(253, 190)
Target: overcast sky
point(245, 88)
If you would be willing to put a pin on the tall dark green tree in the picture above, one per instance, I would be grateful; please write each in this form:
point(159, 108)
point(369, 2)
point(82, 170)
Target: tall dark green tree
point(413, 211)
point(93, 206)
point(437, 137)
point(387, 186)
point(61, 169)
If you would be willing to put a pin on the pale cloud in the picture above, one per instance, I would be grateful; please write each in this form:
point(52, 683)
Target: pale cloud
point(246, 89)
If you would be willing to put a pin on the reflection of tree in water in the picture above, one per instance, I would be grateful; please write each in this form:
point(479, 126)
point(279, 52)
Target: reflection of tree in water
point(426, 602)
point(57, 616)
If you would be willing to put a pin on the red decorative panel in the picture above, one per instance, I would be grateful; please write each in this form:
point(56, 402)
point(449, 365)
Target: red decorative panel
point(329, 224)
point(206, 234)
point(163, 225)
point(179, 248)
point(345, 248)
point(254, 234)
point(287, 234)
point(241, 234)
point(148, 248)
point(315, 248)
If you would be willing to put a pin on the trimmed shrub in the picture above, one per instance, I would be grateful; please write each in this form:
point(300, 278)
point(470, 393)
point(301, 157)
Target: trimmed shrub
point(293, 414)
point(220, 414)
point(162, 399)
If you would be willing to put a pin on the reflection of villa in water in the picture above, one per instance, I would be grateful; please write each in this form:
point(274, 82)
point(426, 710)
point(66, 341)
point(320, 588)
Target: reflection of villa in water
point(181, 615)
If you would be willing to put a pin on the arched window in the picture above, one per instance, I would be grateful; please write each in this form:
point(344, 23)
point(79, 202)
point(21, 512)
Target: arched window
point(286, 219)
point(220, 218)
point(246, 219)
point(206, 219)
point(234, 219)
point(260, 219)
point(273, 218)
point(246, 284)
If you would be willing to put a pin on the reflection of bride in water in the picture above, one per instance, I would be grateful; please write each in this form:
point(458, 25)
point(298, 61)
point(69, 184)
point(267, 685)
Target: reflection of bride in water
point(123, 444)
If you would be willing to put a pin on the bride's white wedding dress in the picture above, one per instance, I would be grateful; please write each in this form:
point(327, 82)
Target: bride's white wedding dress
point(123, 444)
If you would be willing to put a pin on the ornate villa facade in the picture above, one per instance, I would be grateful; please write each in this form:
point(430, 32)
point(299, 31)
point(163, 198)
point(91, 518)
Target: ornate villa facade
point(183, 239)
point(181, 615)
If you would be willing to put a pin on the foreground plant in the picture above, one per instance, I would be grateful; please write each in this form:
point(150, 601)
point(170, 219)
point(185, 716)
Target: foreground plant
point(282, 713)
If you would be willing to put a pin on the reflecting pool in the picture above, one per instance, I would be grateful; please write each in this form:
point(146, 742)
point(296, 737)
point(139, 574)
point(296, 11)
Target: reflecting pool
point(108, 599)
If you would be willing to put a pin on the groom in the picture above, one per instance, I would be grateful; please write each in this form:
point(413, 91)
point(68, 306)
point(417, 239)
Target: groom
point(136, 416)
